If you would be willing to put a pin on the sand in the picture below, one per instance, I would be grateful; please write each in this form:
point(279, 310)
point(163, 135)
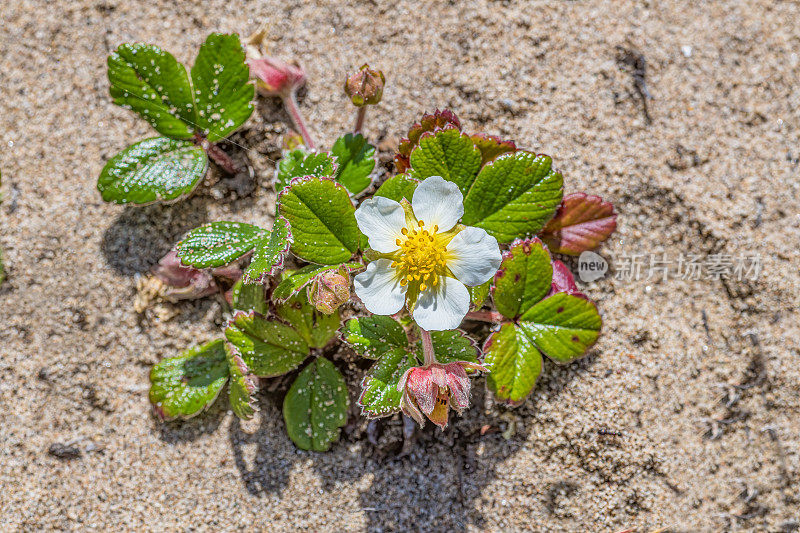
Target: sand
point(683, 416)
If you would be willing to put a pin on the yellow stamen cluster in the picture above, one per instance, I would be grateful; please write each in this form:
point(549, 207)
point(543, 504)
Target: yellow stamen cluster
point(422, 256)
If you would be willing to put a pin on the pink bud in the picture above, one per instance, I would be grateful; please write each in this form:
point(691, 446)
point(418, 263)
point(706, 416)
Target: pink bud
point(329, 290)
point(365, 87)
point(275, 77)
point(182, 282)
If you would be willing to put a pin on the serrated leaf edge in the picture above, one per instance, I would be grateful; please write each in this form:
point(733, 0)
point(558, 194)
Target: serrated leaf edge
point(278, 266)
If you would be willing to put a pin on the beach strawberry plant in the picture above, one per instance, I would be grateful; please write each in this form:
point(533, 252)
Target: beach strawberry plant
point(389, 270)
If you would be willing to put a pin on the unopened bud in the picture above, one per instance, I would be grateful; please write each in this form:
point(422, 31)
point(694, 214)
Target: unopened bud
point(275, 77)
point(329, 290)
point(365, 87)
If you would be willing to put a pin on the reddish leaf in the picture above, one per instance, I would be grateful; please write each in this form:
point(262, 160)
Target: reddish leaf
point(581, 223)
point(563, 280)
point(439, 119)
point(491, 146)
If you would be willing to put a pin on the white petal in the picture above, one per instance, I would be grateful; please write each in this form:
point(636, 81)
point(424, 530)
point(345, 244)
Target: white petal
point(474, 256)
point(437, 201)
point(381, 220)
point(442, 307)
point(379, 288)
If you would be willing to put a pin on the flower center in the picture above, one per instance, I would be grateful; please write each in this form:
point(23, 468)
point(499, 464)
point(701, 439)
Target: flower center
point(422, 257)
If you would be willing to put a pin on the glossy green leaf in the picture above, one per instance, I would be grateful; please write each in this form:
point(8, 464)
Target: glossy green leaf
point(322, 219)
point(218, 243)
point(356, 160)
point(447, 153)
point(185, 385)
point(155, 169)
point(151, 82)
point(222, 92)
point(242, 387)
point(372, 336)
point(514, 364)
point(398, 187)
point(249, 297)
point(513, 196)
point(268, 347)
point(479, 293)
point(270, 250)
point(316, 406)
point(299, 162)
point(563, 326)
point(316, 328)
point(298, 280)
point(379, 394)
point(523, 278)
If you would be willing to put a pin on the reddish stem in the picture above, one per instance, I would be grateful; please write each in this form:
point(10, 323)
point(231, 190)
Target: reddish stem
point(294, 112)
point(485, 316)
point(218, 155)
point(360, 115)
point(427, 347)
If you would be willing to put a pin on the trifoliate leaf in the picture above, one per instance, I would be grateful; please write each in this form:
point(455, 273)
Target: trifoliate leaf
point(581, 223)
point(152, 170)
point(513, 196)
point(514, 364)
point(479, 293)
point(452, 346)
point(249, 297)
point(151, 82)
point(523, 278)
point(268, 347)
point(299, 162)
point(379, 394)
point(356, 160)
point(450, 154)
point(185, 385)
point(316, 406)
point(398, 187)
point(563, 326)
point(222, 92)
point(315, 327)
point(270, 251)
point(298, 280)
point(322, 219)
point(242, 387)
point(372, 336)
point(491, 146)
point(218, 243)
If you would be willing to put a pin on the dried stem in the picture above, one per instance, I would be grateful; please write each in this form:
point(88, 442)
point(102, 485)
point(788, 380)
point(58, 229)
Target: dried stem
point(427, 347)
point(290, 102)
point(485, 316)
point(360, 115)
point(218, 155)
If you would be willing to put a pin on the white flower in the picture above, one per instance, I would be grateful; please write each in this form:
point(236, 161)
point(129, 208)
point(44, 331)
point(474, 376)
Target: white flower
point(425, 257)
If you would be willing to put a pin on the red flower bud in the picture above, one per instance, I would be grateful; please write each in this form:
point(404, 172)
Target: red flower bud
point(365, 87)
point(275, 77)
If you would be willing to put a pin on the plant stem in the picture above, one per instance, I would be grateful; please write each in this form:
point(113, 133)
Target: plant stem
point(218, 155)
point(360, 115)
point(485, 316)
point(290, 102)
point(427, 347)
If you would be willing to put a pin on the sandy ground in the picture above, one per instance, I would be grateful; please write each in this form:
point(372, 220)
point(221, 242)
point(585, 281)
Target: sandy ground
point(684, 415)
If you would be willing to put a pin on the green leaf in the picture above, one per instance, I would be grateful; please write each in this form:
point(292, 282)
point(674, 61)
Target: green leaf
point(267, 347)
point(514, 364)
point(316, 406)
point(155, 169)
point(398, 187)
point(269, 254)
point(222, 92)
point(452, 346)
point(479, 293)
point(151, 82)
point(249, 297)
point(297, 281)
point(322, 218)
point(523, 278)
point(372, 336)
point(513, 196)
point(379, 394)
point(356, 160)
point(299, 163)
point(218, 243)
point(562, 326)
point(316, 328)
point(447, 153)
point(185, 385)
point(241, 387)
